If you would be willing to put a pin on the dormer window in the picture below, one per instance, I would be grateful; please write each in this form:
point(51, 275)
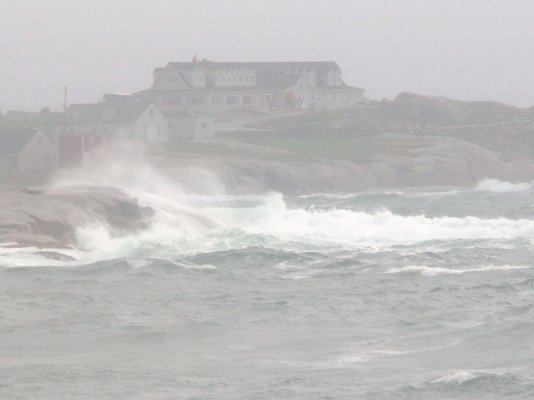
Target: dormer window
point(331, 77)
point(198, 77)
point(338, 78)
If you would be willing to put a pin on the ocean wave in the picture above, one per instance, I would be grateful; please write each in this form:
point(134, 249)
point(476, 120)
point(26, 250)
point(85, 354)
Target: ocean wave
point(497, 186)
point(433, 271)
point(466, 376)
point(179, 226)
point(359, 228)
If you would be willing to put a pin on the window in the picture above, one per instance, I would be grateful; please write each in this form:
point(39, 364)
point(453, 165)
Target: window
point(231, 100)
point(197, 101)
point(172, 101)
point(107, 114)
point(217, 100)
point(73, 115)
point(338, 78)
point(247, 100)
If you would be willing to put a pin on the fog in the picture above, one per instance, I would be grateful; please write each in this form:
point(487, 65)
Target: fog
point(476, 49)
point(352, 221)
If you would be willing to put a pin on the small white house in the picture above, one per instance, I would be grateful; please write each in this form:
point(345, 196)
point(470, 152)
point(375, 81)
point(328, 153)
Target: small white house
point(140, 121)
point(26, 151)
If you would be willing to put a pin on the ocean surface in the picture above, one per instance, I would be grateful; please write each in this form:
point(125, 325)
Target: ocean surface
point(376, 295)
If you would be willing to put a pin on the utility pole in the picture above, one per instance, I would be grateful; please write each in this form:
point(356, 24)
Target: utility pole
point(64, 110)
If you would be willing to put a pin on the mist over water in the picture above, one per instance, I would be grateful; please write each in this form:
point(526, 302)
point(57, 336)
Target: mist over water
point(380, 295)
point(266, 199)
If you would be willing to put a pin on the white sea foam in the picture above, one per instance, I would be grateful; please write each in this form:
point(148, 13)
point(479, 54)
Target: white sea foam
point(494, 185)
point(461, 377)
point(185, 226)
point(35, 256)
point(355, 228)
point(433, 271)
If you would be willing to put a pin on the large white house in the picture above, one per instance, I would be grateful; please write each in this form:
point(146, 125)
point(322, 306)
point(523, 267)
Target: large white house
point(212, 87)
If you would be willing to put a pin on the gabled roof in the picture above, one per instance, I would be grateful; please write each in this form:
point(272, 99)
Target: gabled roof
point(94, 114)
point(270, 66)
point(13, 141)
point(277, 75)
point(269, 75)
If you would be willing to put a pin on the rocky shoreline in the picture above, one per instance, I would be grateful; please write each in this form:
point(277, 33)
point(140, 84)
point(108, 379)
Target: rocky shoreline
point(49, 218)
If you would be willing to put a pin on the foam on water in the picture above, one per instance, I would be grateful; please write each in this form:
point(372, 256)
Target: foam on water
point(464, 376)
point(357, 229)
point(187, 226)
point(250, 296)
point(497, 186)
point(433, 271)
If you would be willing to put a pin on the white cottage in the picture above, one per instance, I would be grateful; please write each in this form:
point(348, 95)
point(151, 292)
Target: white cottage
point(140, 121)
point(27, 151)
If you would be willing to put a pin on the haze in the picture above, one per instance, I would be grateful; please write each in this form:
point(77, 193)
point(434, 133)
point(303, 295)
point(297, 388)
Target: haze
point(476, 49)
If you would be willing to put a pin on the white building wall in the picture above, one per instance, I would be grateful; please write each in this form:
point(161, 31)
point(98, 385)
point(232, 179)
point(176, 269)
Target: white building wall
point(190, 127)
point(152, 126)
point(39, 154)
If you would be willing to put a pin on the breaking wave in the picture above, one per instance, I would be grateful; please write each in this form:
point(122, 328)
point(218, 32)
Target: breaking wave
point(482, 376)
point(433, 271)
point(359, 228)
point(497, 186)
point(202, 224)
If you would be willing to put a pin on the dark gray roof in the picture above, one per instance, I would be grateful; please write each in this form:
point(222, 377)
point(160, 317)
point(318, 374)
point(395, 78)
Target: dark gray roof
point(13, 141)
point(269, 75)
point(94, 114)
point(319, 66)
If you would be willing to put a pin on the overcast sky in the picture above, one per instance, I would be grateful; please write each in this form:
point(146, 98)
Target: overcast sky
point(464, 49)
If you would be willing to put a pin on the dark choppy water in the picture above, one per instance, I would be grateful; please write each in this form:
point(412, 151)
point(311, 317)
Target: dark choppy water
point(390, 295)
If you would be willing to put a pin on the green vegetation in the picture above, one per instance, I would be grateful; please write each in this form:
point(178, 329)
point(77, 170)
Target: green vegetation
point(46, 120)
point(305, 121)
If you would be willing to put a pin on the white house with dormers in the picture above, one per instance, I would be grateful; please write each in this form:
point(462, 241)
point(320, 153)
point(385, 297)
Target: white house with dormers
point(214, 87)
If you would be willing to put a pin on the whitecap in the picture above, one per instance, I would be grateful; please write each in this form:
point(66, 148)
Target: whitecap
point(497, 186)
point(433, 271)
point(463, 376)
